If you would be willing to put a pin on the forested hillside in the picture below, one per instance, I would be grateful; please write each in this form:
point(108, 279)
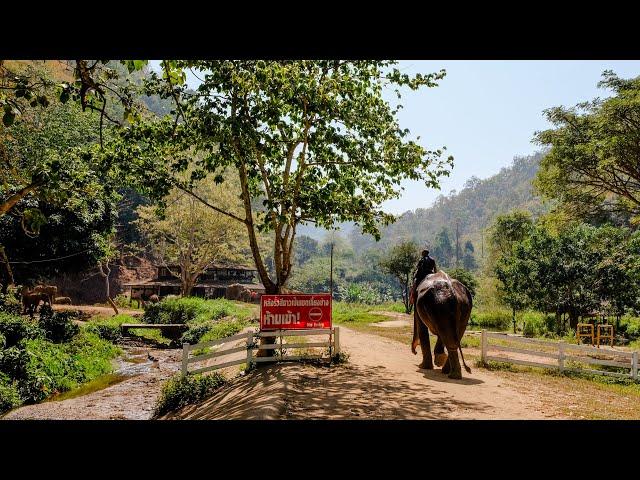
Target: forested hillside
point(472, 209)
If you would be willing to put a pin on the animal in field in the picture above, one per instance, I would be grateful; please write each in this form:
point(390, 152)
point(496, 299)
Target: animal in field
point(50, 290)
point(31, 300)
point(141, 297)
point(234, 291)
point(443, 306)
point(154, 298)
point(62, 301)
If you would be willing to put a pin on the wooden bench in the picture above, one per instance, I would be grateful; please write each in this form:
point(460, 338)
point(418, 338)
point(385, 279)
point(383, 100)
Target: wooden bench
point(169, 330)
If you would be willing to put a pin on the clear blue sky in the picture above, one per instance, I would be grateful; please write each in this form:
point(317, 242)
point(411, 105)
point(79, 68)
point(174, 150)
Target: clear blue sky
point(486, 112)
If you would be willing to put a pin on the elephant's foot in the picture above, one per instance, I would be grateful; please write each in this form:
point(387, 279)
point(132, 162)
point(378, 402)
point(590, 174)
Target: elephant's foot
point(456, 375)
point(440, 359)
point(446, 368)
point(426, 365)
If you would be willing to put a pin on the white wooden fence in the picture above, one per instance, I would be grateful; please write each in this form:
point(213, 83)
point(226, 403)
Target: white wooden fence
point(251, 343)
point(564, 356)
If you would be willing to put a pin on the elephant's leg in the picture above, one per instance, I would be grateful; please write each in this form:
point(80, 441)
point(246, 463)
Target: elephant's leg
point(425, 346)
point(439, 353)
point(415, 340)
point(454, 364)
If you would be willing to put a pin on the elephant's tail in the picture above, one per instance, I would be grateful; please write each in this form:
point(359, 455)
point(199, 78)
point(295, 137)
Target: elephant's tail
point(463, 362)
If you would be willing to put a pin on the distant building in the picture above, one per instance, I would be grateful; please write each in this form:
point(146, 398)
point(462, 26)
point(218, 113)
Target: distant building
point(212, 283)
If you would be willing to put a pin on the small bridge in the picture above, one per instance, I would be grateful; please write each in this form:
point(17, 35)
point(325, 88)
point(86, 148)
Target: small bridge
point(169, 330)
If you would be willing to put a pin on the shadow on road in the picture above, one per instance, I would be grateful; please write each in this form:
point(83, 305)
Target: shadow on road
point(348, 392)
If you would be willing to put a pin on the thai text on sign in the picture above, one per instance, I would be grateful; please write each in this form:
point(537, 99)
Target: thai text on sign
point(299, 311)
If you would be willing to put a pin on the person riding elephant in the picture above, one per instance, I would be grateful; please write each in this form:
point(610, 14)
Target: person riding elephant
point(426, 266)
point(442, 307)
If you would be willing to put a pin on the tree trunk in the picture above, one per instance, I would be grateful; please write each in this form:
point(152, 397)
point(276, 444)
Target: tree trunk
point(107, 287)
point(573, 319)
point(10, 280)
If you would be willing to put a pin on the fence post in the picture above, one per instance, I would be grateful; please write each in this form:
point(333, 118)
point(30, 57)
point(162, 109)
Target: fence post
point(561, 356)
point(336, 340)
point(185, 358)
point(483, 355)
point(634, 365)
point(249, 350)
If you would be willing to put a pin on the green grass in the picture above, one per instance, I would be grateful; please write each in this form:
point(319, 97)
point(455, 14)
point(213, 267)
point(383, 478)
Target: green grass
point(357, 313)
point(197, 310)
point(180, 391)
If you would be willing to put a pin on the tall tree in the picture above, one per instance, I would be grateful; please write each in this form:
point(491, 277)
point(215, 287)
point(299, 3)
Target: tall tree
point(400, 263)
point(443, 250)
point(315, 140)
point(593, 166)
point(305, 248)
point(469, 260)
point(192, 236)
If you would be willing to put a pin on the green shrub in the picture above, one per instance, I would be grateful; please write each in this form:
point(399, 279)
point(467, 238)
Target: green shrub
point(121, 301)
point(189, 309)
point(15, 328)
point(363, 292)
point(109, 328)
point(9, 395)
point(58, 367)
point(195, 333)
point(10, 302)
point(14, 362)
point(3, 341)
point(496, 319)
point(180, 391)
point(58, 326)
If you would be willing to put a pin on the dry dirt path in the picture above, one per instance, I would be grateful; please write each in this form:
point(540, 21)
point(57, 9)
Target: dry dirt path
point(98, 310)
point(381, 381)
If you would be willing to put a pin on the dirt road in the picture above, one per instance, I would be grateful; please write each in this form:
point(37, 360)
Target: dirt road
point(381, 381)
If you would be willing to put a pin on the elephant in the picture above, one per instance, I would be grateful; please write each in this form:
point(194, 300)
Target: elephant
point(234, 292)
point(154, 298)
point(443, 306)
point(62, 301)
point(50, 290)
point(31, 300)
point(245, 295)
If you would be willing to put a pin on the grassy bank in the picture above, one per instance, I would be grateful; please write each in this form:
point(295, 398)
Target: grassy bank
point(45, 357)
point(206, 319)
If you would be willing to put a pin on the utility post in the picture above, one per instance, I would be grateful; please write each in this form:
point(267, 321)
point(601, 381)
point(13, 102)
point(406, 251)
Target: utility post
point(331, 271)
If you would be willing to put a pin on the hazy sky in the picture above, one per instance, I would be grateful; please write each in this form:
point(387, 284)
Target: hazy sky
point(486, 112)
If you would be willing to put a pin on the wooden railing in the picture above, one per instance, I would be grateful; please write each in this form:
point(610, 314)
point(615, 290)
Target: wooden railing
point(566, 355)
point(251, 344)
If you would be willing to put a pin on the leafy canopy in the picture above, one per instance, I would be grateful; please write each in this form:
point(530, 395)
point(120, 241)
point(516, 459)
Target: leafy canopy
point(592, 165)
point(312, 141)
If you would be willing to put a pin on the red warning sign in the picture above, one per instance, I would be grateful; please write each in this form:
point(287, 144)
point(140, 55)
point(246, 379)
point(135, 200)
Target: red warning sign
point(294, 312)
